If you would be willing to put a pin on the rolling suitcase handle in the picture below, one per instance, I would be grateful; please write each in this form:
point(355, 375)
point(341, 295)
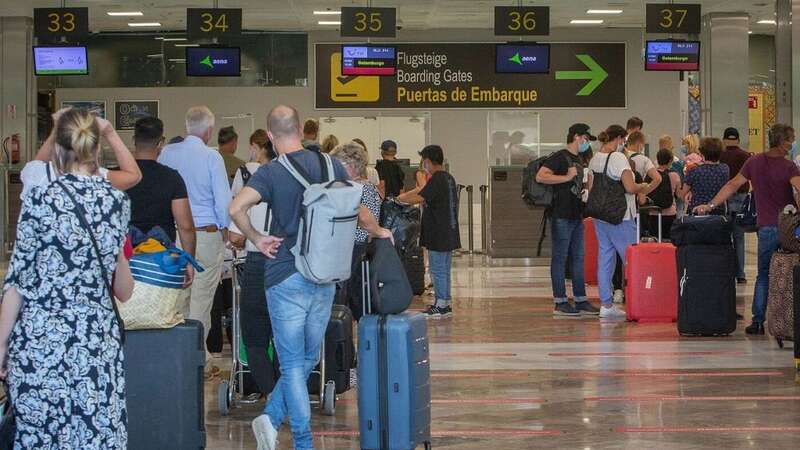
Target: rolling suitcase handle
point(647, 209)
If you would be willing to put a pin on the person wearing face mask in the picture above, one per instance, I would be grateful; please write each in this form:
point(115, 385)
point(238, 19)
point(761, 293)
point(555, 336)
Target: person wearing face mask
point(564, 171)
point(735, 157)
point(772, 178)
point(613, 239)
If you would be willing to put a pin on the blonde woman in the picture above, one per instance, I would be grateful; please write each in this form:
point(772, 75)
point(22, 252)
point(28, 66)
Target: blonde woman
point(329, 143)
point(693, 158)
point(59, 335)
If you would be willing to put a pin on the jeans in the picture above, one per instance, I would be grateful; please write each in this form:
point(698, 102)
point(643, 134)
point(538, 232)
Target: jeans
point(567, 245)
point(299, 311)
point(735, 205)
point(767, 246)
point(440, 267)
point(612, 240)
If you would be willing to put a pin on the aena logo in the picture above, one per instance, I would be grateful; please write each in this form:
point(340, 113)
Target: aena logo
point(208, 62)
point(517, 59)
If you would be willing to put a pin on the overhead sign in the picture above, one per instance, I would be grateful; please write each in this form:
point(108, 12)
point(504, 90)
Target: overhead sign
point(57, 24)
point(521, 20)
point(673, 18)
point(127, 112)
point(204, 23)
point(368, 22)
point(462, 75)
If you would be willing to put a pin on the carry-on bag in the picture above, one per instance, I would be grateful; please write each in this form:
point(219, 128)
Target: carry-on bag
point(394, 393)
point(590, 252)
point(390, 290)
point(707, 290)
point(339, 352)
point(702, 230)
point(651, 288)
point(164, 387)
point(414, 263)
point(780, 303)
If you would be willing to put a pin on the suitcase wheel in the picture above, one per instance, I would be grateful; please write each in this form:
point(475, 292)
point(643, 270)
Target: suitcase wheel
point(329, 398)
point(223, 399)
point(780, 342)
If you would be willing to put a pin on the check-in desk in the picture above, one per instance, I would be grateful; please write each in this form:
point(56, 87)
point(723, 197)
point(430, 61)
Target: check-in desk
point(514, 228)
point(10, 199)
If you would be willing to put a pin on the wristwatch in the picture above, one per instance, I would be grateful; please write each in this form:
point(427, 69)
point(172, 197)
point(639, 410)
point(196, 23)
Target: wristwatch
point(711, 206)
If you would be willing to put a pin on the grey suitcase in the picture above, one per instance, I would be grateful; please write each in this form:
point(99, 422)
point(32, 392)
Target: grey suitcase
point(164, 387)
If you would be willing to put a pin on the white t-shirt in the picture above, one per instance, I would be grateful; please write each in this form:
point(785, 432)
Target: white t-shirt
point(35, 173)
point(257, 214)
point(643, 164)
point(616, 166)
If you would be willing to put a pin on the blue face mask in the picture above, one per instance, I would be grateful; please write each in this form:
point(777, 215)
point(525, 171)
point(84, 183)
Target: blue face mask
point(620, 148)
point(584, 147)
point(793, 151)
point(683, 150)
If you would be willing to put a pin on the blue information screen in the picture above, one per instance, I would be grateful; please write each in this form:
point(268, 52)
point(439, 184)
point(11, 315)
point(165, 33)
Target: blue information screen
point(368, 60)
point(522, 58)
point(213, 61)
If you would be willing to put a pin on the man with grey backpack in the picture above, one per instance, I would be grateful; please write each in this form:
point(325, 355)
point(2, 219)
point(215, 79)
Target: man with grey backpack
point(315, 210)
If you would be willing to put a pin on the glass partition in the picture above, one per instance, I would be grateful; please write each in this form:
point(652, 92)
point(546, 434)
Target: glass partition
point(513, 137)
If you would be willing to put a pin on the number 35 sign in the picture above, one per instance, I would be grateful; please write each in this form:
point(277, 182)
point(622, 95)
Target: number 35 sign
point(369, 22)
point(213, 22)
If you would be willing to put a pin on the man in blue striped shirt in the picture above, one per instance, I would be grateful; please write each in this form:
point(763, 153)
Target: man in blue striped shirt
point(203, 171)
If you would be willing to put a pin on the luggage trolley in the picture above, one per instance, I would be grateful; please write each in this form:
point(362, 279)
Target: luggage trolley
point(230, 393)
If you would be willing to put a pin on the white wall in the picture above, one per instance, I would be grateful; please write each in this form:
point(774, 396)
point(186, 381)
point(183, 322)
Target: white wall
point(653, 96)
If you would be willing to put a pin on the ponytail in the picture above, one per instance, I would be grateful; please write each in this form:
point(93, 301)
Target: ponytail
point(77, 139)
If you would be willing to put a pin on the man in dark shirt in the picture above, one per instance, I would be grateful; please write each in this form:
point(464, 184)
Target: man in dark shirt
point(564, 171)
point(735, 158)
point(389, 171)
point(299, 308)
point(160, 199)
point(440, 233)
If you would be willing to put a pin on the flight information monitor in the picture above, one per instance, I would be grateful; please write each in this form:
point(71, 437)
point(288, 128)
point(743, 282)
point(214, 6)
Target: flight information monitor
point(368, 60)
point(522, 58)
point(60, 61)
point(213, 61)
point(672, 56)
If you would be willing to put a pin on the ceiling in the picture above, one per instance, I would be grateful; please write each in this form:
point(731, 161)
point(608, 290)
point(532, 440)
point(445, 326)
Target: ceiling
point(297, 15)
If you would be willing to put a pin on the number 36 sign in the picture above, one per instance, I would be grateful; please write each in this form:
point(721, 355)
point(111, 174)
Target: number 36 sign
point(213, 22)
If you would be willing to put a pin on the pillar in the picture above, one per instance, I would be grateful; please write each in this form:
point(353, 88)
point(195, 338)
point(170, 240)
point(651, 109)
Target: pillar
point(724, 73)
point(783, 60)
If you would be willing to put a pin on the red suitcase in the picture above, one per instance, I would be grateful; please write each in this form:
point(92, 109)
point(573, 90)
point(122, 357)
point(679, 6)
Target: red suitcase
point(651, 282)
point(590, 252)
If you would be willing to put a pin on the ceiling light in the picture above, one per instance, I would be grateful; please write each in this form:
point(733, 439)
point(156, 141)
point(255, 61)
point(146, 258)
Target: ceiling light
point(178, 60)
point(767, 22)
point(327, 13)
point(156, 55)
point(329, 22)
point(604, 11)
point(586, 21)
point(749, 32)
point(144, 24)
point(173, 39)
point(187, 45)
point(125, 13)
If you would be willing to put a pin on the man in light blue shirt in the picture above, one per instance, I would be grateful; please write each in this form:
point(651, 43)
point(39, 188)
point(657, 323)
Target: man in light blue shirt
point(203, 172)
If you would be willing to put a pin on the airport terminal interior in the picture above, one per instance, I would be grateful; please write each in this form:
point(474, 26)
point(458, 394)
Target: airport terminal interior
point(497, 85)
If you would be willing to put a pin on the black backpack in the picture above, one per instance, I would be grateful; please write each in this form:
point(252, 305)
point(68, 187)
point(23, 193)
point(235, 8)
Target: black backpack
point(662, 195)
point(535, 193)
point(245, 175)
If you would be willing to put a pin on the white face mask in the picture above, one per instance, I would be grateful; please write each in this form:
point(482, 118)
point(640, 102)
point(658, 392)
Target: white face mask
point(620, 147)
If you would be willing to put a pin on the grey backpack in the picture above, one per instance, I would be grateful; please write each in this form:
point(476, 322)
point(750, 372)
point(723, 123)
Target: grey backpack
point(328, 220)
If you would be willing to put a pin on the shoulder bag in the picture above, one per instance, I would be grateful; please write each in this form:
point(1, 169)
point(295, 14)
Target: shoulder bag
point(607, 200)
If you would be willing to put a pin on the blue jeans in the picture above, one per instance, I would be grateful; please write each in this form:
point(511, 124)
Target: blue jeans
point(567, 243)
point(767, 246)
point(299, 311)
point(440, 264)
point(735, 205)
point(612, 240)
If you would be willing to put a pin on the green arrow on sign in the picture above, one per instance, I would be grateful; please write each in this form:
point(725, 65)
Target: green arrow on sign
point(596, 75)
point(516, 59)
point(207, 62)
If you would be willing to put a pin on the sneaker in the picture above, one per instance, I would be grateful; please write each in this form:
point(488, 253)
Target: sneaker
point(266, 434)
point(586, 309)
point(565, 309)
point(741, 280)
point(447, 311)
point(619, 296)
point(755, 328)
point(434, 312)
point(612, 312)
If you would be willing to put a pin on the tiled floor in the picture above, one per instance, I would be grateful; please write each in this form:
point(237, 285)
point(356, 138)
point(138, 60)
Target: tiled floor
point(508, 375)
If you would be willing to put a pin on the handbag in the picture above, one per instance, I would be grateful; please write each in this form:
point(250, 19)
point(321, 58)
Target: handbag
point(747, 218)
point(8, 425)
point(788, 223)
point(158, 287)
point(607, 200)
point(81, 213)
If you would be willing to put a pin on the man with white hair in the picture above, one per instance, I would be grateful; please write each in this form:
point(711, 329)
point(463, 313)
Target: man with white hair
point(203, 172)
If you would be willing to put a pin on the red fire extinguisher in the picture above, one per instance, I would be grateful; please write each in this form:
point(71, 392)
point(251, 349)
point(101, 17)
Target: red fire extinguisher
point(12, 148)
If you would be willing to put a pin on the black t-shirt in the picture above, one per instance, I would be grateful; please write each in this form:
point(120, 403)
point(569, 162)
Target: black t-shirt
point(440, 215)
point(567, 203)
point(151, 199)
point(392, 175)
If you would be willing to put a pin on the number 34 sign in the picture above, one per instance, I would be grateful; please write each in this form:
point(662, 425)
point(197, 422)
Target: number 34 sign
point(213, 22)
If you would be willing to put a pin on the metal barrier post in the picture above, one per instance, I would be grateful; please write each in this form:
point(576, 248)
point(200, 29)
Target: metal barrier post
point(470, 220)
point(484, 230)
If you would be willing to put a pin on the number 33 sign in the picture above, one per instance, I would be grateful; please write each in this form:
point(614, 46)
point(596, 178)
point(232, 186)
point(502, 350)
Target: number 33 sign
point(213, 23)
point(54, 24)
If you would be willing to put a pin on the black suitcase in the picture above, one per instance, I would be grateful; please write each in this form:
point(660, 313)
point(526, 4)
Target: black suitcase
point(339, 352)
point(796, 277)
point(164, 387)
point(707, 290)
point(414, 262)
point(702, 230)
